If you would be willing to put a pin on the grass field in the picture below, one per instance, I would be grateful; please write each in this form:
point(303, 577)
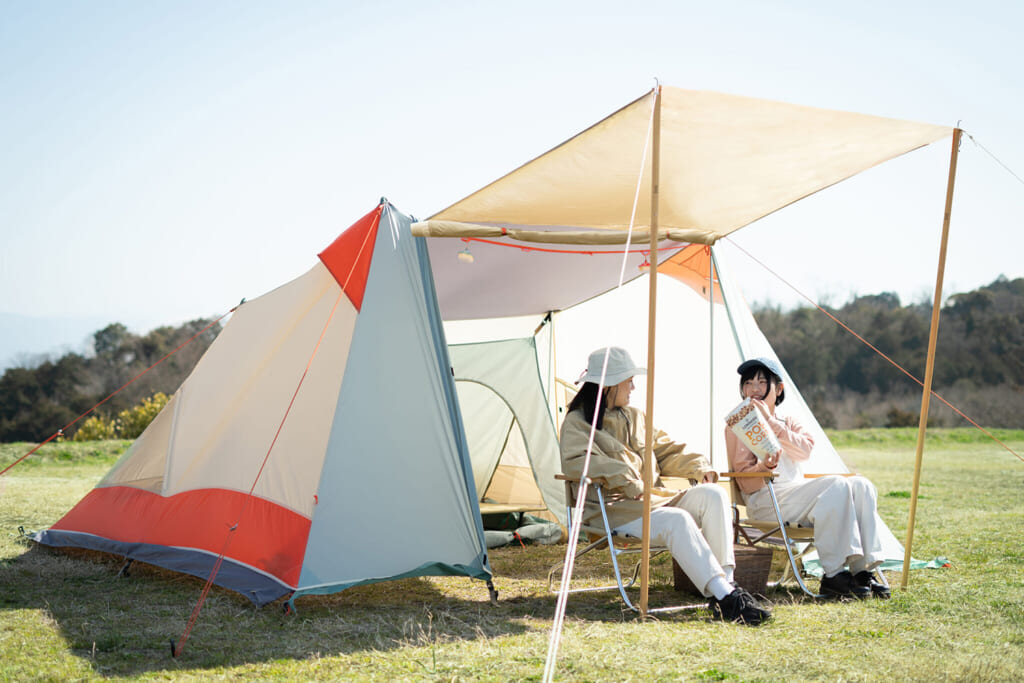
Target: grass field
point(69, 616)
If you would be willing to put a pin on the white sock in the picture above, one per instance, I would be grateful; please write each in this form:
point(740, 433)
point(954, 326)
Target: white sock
point(861, 567)
point(730, 573)
point(719, 587)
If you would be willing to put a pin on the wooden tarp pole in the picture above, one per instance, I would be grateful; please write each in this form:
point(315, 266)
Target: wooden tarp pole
point(930, 364)
point(645, 545)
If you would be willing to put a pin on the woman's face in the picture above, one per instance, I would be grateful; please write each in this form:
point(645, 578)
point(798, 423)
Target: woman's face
point(618, 395)
point(759, 387)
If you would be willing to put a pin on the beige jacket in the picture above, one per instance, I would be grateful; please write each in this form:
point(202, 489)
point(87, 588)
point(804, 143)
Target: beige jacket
point(617, 460)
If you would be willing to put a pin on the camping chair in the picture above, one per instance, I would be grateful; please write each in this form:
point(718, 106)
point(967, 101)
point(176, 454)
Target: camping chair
point(618, 544)
point(797, 541)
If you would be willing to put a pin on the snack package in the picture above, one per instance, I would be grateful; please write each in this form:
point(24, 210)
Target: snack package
point(749, 425)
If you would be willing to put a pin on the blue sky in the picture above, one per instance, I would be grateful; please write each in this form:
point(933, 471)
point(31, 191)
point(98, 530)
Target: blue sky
point(163, 160)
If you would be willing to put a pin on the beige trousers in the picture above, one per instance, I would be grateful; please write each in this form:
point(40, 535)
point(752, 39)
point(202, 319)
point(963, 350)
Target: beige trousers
point(697, 532)
point(843, 512)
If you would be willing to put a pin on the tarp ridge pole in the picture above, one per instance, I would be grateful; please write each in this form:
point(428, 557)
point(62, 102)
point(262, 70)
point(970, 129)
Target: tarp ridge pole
point(930, 363)
point(645, 556)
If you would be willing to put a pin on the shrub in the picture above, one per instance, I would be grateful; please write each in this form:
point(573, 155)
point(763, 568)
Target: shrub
point(96, 429)
point(132, 422)
point(901, 418)
point(128, 424)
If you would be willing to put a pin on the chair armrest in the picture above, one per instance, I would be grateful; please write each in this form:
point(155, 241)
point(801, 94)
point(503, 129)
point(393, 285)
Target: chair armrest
point(600, 481)
point(747, 475)
point(772, 475)
point(830, 474)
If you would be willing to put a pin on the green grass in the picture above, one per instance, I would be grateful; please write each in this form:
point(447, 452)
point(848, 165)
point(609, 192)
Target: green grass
point(69, 616)
point(907, 436)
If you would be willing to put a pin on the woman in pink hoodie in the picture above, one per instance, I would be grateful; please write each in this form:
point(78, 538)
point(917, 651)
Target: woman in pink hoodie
point(842, 510)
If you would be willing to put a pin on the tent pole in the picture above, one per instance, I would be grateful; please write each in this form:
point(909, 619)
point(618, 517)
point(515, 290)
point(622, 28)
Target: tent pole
point(930, 364)
point(552, 377)
point(645, 562)
point(711, 358)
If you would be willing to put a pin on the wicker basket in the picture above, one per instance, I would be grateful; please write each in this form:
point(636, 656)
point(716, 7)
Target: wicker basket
point(753, 564)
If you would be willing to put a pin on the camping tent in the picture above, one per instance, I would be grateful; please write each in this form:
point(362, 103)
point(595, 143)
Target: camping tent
point(283, 452)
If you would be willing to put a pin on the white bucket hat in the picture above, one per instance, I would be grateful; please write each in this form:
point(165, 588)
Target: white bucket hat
point(620, 367)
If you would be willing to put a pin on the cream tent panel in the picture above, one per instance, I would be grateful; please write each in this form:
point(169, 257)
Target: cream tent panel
point(752, 344)
point(252, 370)
point(696, 383)
point(686, 404)
point(143, 464)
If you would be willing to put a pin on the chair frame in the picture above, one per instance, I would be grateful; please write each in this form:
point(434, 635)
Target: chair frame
point(778, 533)
point(606, 536)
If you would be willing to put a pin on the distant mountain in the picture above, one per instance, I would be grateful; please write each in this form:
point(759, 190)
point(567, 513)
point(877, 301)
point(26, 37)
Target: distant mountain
point(24, 338)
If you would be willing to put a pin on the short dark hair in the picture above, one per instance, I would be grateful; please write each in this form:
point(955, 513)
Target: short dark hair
point(754, 370)
point(586, 400)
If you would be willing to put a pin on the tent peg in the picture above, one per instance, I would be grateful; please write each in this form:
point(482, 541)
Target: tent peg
point(123, 573)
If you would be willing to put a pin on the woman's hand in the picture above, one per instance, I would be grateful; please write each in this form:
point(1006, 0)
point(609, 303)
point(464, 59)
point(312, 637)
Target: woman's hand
point(762, 408)
point(771, 460)
point(710, 477)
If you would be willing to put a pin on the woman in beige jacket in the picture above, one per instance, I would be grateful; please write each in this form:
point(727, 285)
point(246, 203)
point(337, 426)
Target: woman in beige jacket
point(695, 524)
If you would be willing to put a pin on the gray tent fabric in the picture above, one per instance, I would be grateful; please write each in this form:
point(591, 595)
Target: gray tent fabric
point(508, 423)
point(387, 485)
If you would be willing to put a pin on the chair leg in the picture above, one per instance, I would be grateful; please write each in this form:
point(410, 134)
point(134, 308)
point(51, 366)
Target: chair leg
point(788, 543)
point(614, 553)
point(794, 569)
point(557, 567)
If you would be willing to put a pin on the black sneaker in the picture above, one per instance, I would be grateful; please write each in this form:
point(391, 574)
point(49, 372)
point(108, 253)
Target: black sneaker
point(877, 588)
point(843, 585)
point(739, 606)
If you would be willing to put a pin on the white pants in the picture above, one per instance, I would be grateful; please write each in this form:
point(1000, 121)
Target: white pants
point(843, 512)
point(704, 508)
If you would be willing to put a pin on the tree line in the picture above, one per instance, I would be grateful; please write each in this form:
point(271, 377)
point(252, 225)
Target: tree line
point(37, 401)
point(979, 362)
point(979, 365)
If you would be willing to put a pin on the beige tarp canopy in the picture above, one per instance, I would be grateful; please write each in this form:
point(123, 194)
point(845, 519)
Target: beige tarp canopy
point(725, 162)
